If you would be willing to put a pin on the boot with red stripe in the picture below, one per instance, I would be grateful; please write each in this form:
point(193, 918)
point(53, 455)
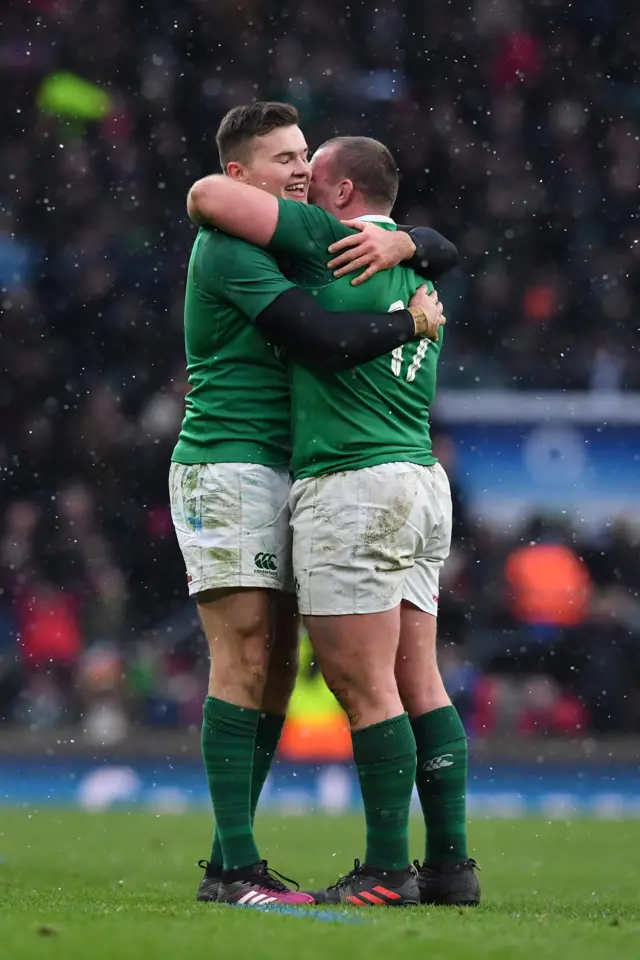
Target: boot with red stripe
point(258, 886)
point(368, 886)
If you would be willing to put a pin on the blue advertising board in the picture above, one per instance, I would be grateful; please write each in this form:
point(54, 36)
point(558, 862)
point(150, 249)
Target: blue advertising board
point(553, 791)
point(516, 455)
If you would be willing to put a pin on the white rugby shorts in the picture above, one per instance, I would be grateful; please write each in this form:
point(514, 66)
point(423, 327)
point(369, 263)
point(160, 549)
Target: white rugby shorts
point(363, 540)
point(232, 525)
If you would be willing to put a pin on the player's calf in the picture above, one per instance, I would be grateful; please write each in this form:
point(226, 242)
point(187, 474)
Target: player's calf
point(441, 778)
point(357, 656)
point(237, 627)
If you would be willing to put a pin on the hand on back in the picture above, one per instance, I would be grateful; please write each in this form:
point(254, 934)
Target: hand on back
point(431, 318)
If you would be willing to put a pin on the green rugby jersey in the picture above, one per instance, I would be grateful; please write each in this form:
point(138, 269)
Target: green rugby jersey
point(238, 409)
point(375, 413)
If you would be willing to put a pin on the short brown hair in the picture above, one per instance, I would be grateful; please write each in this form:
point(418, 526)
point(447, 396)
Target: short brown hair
point(369, 165)
point(241, 124)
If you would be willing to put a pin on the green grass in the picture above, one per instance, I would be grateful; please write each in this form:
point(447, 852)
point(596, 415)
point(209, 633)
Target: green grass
point(121, 885)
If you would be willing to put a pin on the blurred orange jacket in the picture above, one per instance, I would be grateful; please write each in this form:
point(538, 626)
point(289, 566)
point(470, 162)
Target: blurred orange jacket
point(548, 585)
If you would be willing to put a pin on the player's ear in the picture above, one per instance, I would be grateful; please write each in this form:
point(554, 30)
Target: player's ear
point(237, 171)
point(345, 194)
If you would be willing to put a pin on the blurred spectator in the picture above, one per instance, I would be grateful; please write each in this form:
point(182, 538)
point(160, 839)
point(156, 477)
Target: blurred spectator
point(548, 584)
point(101, 687)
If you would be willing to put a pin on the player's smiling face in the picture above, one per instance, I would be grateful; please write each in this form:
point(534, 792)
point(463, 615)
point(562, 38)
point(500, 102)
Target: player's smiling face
point(279, 164)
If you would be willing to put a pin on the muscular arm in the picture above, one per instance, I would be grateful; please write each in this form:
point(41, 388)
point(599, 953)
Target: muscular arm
point(336, 341)
point(235, 208)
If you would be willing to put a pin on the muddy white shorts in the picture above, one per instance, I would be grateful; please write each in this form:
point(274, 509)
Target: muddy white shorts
point(232, 524)
point(363, 540)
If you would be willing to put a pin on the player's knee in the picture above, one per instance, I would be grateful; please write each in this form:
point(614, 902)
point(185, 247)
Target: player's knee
point(421, 691)
point(241, 672)
point(354, 689)
point(252, 655)
point(347, 697)
point(423, 673)
point(365, 706)
point(240, 654)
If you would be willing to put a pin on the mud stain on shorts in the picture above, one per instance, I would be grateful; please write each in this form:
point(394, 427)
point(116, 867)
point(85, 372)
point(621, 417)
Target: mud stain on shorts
point(382, 538)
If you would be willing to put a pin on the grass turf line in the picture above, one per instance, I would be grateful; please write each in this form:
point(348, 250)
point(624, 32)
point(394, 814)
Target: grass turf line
point(121, 885)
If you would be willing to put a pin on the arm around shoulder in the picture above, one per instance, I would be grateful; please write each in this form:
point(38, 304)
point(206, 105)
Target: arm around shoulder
point(234, 207)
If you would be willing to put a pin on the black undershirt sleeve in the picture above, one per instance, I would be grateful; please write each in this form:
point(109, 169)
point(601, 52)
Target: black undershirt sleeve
point(317, 337)
point(434, 256)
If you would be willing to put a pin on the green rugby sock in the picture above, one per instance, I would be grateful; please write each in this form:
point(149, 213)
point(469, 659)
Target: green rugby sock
point(385, 756)
point(228, 745)
point(441, 779)
point(267, 738)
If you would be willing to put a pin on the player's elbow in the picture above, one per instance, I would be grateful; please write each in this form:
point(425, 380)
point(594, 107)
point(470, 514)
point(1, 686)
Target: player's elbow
point(193, 205)
point(450, 253)
point(445, 257)
point(202, 201)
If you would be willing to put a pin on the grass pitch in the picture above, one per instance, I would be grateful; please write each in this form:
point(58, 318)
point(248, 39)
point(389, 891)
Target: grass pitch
point(121, 885)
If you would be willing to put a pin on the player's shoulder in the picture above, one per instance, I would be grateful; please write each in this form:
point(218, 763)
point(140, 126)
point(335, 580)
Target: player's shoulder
point(223, 252)
point(213, 243)
point(306, 210)
point(293, 213)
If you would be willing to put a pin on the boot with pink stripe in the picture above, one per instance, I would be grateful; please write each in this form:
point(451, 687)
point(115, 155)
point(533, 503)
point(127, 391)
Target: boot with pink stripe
point(258, 886)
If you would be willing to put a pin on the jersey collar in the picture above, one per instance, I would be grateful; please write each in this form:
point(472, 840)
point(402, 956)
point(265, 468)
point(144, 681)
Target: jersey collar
point(375, 218)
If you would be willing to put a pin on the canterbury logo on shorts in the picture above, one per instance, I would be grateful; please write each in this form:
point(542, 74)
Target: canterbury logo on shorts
point(437, 763)
point(266, 562)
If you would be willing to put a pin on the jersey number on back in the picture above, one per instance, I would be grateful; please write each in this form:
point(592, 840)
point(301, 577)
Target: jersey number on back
point(396, 355)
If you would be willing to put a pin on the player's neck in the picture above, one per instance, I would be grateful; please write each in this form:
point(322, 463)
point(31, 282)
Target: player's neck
point(359, 211)
point(376, 217)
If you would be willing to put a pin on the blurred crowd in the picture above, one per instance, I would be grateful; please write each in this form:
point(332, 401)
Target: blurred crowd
point(516, 126)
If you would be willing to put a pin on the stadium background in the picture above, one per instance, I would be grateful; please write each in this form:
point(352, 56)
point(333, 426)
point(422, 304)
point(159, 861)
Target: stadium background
point(516, 126)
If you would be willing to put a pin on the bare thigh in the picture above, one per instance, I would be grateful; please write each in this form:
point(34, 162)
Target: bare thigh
point(417, 674)
point(237, 624)
point(357, 654)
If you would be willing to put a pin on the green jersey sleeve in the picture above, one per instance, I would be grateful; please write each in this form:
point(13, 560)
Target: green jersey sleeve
point(303, 235)
point(238, 273)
